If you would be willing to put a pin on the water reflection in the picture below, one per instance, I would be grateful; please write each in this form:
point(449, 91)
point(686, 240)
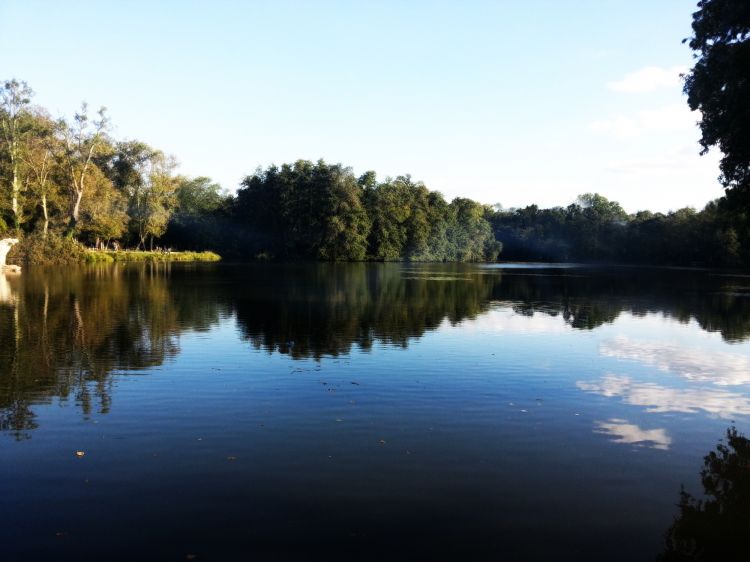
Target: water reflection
point(7, 295)
point(658, 398)
point(716, 527)
point(67, 333)
point(693, 364)
point(313, 311)
point(587, 299)
point(631, 434)
point(64, 333)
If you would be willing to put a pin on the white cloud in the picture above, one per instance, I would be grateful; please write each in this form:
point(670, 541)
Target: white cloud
point(630, 433)
point(649, 79)
point(694, 364)
point(661, 399)
point(675, 117)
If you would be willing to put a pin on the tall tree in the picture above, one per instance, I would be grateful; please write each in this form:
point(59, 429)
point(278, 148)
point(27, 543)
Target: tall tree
point(346, 221)
point(153, 198)
point(84, 139)
point(15, 98)
point(718, 85)
point(103, 213)
point(39, 160)
point(388, 208)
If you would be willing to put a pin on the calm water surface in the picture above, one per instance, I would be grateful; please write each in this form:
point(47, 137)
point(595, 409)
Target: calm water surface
point(361, 411)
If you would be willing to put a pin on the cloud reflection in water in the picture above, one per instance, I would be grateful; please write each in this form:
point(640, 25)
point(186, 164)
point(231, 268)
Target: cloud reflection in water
point(629, 433)
point(659, 399)
point(694, 364)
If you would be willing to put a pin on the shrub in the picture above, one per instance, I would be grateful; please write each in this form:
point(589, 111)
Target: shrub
point(36, 249)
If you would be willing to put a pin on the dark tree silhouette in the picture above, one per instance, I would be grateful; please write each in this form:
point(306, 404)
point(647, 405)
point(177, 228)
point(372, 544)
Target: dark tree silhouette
point(719, 84)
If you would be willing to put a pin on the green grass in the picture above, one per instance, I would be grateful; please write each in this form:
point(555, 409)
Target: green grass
point(108, 256)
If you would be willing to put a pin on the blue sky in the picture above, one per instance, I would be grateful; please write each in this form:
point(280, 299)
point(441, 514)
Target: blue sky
point(504, 102)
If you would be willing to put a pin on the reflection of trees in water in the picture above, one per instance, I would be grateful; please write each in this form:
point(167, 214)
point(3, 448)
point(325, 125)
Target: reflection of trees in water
point(324, 309)
point(718, 526)
point(312, 311)
point(589, 298)
point(62, 334)
point(65, 334)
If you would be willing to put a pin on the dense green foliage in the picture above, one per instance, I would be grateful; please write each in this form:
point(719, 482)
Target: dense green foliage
point(65, 185)
point(719, 85)
point(322, 211)
point(73, 179)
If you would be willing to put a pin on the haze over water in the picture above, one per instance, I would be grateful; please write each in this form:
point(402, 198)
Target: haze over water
point(346, 411)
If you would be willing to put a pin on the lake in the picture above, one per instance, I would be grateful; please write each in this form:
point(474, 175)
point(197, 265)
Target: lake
point(361, 411)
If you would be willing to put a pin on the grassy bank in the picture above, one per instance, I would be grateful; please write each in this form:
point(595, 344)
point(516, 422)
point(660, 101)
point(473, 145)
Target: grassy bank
point(108, 256)
point(56, 250)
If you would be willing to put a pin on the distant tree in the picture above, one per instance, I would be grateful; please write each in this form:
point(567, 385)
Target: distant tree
point(346, 222)
point(304, 194)
point(388, 208)
point(368, 180)
point(438, 217)
point(601, 208)
point(469, 234)
point(144, 175)
point(15, 98)
point(199, 196)
point(103, 214)
point(718, 85)
point(126, 165)
point(39, 161)
point(153, 204)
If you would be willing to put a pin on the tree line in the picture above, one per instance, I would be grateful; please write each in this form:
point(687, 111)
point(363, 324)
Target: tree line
point(64, 180)
point(72, 179)
point(594, 229)
point(325, 212)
